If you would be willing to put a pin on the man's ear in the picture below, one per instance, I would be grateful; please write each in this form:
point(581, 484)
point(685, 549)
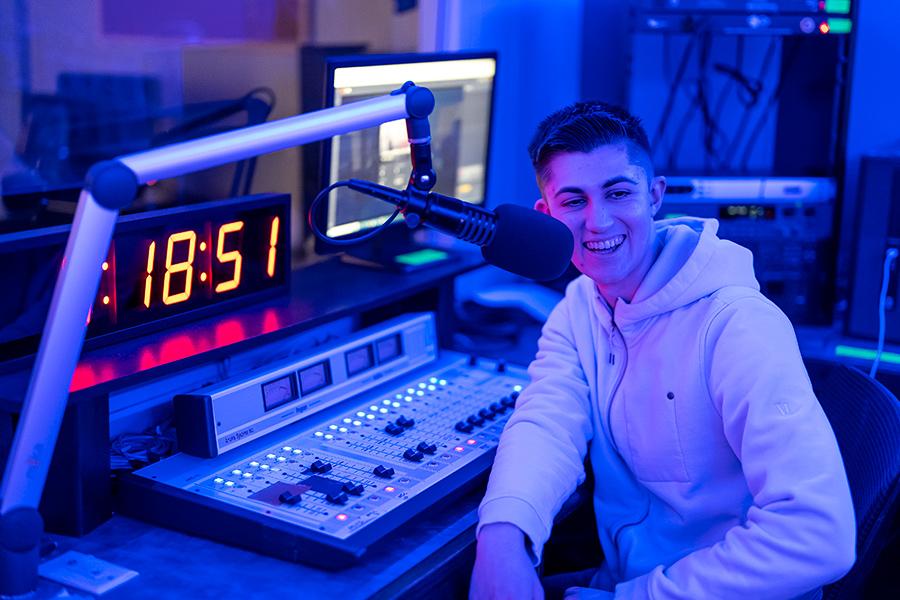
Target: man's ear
point(657, 191)
point(541, 205)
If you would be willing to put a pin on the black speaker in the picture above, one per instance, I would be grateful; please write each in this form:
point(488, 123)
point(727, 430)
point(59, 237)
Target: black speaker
point(877, 230)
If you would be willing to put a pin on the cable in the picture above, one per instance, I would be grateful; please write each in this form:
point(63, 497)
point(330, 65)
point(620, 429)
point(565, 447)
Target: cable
point(889, 258)
point(673, 90)
point(755, 132)
point(739, 133)
point(314, 225)
point(132, 450)
point(700, 102)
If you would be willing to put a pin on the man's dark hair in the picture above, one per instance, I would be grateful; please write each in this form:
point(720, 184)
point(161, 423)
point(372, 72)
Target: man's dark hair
point(584, 127)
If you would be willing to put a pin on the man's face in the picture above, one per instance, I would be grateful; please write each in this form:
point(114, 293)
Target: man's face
point(607, 203)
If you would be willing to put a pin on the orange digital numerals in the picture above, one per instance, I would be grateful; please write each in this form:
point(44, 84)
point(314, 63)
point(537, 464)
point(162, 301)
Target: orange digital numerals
point(186, 266)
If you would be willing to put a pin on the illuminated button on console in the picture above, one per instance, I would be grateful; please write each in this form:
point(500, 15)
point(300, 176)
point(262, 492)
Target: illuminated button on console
point(463, 427)
point(320, 467)
point(384, 472)
point(354, 489)
point(426, 448)
point(413, 455)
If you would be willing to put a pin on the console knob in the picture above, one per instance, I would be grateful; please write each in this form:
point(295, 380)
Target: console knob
point(413, 455)
point(486, 414)
point(426, 448)
point(320, 467)
point(384, 472)
point(463, 427)
point(338, 498)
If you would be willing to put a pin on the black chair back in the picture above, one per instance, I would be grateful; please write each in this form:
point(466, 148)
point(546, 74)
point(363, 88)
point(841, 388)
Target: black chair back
point(865, 417)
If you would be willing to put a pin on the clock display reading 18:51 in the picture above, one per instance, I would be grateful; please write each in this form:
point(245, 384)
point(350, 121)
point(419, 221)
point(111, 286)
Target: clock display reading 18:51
point(161, 263)
point(182, 259)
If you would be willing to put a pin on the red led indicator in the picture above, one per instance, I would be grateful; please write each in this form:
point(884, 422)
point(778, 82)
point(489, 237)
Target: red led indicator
point(823, 27)
point(341, 517)
point(459, 448)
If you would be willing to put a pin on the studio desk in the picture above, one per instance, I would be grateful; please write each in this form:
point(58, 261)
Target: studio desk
point(429, 557)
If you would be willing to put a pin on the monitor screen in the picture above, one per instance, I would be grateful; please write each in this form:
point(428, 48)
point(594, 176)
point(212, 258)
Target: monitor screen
point(463, 86)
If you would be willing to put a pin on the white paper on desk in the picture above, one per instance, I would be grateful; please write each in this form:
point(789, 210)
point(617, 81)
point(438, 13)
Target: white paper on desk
point(85, 572)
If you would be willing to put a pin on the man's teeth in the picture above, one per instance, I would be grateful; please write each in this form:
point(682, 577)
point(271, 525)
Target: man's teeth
point(605, 244)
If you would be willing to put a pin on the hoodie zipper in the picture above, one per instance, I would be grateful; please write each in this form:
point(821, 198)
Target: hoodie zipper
point(619, 376)
point(612, 329)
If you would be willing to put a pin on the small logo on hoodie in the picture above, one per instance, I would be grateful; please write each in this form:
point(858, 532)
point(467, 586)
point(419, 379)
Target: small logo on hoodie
point(784, 408)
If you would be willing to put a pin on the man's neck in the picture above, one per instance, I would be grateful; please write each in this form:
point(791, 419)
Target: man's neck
point(627, 288)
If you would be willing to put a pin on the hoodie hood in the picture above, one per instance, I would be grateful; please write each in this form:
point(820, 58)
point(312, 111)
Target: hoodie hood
point(692, 264)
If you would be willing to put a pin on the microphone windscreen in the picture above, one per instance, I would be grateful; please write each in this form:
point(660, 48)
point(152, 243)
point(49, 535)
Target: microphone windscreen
point(529, 243)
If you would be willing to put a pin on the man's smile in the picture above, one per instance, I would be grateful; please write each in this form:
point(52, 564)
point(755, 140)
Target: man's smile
point(606, 246)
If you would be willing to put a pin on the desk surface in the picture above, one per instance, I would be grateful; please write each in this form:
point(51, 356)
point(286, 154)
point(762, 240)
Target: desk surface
point(173, 564)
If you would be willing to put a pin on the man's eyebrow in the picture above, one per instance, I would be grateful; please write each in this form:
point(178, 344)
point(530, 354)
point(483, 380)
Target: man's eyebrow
point(609, 183)
point(619, 179)
point(569, 190)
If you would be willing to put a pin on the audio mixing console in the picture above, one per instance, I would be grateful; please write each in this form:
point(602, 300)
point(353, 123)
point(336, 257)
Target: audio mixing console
point(317, 459)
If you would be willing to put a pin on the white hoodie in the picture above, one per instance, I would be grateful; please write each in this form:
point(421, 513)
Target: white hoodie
point(717, 473)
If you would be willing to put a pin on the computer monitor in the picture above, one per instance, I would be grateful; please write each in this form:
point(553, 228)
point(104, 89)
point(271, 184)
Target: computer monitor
point(463, 86)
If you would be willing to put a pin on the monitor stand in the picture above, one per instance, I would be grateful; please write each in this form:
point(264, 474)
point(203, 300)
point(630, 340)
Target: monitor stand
point(394, 249)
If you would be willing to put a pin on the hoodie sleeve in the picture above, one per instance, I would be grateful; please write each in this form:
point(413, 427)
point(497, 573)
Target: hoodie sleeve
point(539, 460)
point(800, 530)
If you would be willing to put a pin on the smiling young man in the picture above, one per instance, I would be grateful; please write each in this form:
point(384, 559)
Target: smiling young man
point(717, 473)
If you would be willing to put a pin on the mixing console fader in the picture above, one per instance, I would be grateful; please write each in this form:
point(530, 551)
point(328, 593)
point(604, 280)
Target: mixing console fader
point(398, 428)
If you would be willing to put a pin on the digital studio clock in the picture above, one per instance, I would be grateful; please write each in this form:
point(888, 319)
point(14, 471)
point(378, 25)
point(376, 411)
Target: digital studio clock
point(161, 264)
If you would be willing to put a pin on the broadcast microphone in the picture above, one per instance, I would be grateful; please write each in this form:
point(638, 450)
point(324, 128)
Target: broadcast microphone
point(515, 238)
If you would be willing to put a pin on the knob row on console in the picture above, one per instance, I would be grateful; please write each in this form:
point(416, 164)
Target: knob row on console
point(487, 414)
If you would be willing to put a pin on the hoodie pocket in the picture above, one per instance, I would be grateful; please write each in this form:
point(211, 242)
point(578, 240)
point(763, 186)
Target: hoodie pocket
point(653, 438)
